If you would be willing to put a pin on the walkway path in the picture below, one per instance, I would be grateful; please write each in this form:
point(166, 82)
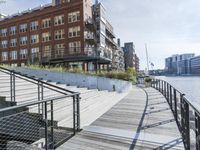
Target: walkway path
point(136, 122)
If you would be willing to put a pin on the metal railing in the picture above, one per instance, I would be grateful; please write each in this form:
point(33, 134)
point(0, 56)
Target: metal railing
point(186, 114)
point(35, 118)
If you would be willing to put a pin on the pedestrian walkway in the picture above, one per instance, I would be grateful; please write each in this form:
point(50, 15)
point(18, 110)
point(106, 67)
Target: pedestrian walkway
point(142, 120)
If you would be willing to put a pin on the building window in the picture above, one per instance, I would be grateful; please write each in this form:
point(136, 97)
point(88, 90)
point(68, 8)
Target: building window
point(13, 55)
point(75, 47)
point(4, 56)
point(13, 42)
point(46, 23)
point(34, 25)
point(13, 30)
point(46, 37)
point(4, 32)
point(35, 54)
point(58, 20)
point(59, 34)
point(23, 40)
point(23, 28)
point(74, 16)
point(4, 44)
point(74, 32)
point(47, 51)
point(34, 39)
point(23, 54)
point(59, 50)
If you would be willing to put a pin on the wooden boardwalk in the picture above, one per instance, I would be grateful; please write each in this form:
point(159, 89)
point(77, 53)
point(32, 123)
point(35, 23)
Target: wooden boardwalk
point(136, 122)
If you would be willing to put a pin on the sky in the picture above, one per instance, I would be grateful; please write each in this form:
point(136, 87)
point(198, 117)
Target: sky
point(167, 26)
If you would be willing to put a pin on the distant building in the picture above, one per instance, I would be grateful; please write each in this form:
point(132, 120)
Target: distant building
point(118, 58)
point(178, 64)
point(195, 65)
point(130, 57)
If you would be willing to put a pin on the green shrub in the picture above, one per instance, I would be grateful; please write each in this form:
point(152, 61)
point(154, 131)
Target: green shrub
point(148, 79)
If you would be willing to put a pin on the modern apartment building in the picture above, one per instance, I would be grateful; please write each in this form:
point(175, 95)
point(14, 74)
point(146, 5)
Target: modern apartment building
point(73, 33)
point(178, 64)
point(195, 65)
point(130, 57)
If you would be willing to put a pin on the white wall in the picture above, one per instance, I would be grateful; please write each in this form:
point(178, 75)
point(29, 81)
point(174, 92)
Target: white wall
point(91, 82)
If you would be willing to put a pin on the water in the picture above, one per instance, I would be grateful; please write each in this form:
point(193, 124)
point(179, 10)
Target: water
point(187, 85)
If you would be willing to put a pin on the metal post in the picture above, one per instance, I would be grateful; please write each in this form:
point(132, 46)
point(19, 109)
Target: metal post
point(78, 113)
point(185, 122)
point(11, 87)
point(74, 114)
point(46, 126)
point(159, 85)
point(197, 130)
point(52, 126)
point(170, 97)
point(162, 87)
point(14, 88)
point(175, 106)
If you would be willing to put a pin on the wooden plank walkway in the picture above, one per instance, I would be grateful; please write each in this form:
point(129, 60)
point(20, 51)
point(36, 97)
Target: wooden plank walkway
point(136, 122)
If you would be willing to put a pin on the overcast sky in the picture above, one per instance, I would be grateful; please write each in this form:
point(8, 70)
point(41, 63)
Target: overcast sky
point(167, 26)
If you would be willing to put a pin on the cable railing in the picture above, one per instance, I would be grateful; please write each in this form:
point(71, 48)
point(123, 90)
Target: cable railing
point(30, 116)
point(186, 114)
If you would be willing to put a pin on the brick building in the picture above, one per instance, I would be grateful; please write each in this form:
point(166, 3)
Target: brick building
point(63, 32)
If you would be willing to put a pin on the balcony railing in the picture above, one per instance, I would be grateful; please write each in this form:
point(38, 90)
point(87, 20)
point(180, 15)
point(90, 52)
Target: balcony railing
point(186, 113)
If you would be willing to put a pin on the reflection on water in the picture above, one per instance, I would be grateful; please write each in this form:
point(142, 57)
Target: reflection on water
point(187, 85)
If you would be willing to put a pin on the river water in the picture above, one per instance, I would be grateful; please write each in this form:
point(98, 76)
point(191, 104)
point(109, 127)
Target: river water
point(187, 85)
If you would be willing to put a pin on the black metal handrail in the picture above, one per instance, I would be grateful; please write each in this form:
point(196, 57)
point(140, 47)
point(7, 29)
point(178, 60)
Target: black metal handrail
point(42, 102)
point(184, 111)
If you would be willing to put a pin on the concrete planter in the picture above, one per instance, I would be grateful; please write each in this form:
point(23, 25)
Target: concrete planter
point(91, 82)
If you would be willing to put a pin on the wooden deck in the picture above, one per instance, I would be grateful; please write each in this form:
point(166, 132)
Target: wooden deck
point(136, 122)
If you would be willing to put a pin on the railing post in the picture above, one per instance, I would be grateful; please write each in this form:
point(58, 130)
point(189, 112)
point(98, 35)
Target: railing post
point(185, 122)
point(46, 126)
point(52, 127)
point(12, 87)
point(170, 96)
point(159, 85)
point(76, 113)
point(197, 130)
point(175, 106)
point(162, 87)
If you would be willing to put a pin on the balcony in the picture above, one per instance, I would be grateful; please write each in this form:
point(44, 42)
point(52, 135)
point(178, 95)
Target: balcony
point(90, 24)
point(90, 37)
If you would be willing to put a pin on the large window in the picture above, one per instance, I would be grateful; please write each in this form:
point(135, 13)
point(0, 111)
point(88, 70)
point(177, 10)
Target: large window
point(34, 39)
point(58, 20)
point(4, 56)
point(13, 30)
point(23, 28)
point(59, 34)
point(13, 42)
point(74, 16)
point(75, 47)
point(59, 50)
point(46, 37)
point(34, 25)
point(34, 53)
point(23, 40)
point(23, 54)
point(74, 32)
point(46, 23)
point(47, 51)
point(4, 44)
point(13, 55)
point(4, 32)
